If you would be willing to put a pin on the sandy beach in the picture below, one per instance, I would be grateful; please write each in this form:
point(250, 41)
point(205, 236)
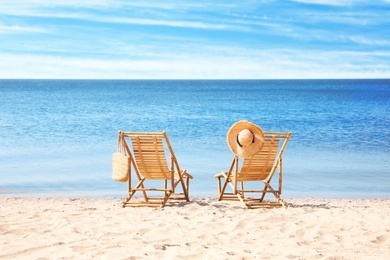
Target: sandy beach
point(64, 228)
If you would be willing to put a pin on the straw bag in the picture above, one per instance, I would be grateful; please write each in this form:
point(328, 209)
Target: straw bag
point(120, 161)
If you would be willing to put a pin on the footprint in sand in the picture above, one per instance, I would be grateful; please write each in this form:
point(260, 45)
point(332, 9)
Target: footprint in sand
point(381, 239)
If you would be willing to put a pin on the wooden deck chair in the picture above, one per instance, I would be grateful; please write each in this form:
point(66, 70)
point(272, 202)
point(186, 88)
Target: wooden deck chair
point(150, 167)
point(260, 168)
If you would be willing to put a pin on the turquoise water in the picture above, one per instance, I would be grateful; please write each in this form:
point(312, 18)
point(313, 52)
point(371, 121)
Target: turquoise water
point(57, 136)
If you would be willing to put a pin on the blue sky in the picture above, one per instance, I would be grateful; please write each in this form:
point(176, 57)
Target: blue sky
point(141, 39)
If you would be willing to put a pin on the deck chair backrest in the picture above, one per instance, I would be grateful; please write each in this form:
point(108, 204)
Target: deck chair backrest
point(259, 166)
point(150, 156)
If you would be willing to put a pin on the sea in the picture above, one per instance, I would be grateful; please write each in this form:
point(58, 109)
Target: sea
point(57, 136)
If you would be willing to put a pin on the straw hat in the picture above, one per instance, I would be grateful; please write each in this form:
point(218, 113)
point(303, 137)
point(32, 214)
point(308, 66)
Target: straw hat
point(245, 138)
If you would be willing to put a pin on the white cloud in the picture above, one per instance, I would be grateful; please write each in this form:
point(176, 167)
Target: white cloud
point(105, 47)
point(267, 64)
point(171, 23)
point(79, 14)
point(15, 5)
point(329, 2)
point(5, 29)
point(370, 41)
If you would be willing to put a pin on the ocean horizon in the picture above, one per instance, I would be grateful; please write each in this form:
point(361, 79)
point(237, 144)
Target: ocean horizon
point(58, 136)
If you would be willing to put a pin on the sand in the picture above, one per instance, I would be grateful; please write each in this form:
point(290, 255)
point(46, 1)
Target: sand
point(64, 228)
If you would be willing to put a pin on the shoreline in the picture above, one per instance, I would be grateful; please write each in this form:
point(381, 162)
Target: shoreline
point(193, 195)
point(203, 228)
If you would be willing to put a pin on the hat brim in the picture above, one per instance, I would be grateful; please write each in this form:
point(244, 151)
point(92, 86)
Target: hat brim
point(251, 149)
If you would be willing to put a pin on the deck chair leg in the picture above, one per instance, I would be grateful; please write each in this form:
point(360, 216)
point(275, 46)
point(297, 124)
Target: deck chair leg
point(188, 187)
point(276, 194)
point(165, 188)
point(146, 198)
point(227, 179)
point(242, 189)
point(128, 198)
point(141, 184)
point(264, 193)
point(185, 191)
point(133, 191)
point(224, 186)
point(219, 185)
point(241, 197)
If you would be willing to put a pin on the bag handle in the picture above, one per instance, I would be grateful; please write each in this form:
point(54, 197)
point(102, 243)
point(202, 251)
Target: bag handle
point(120, 147)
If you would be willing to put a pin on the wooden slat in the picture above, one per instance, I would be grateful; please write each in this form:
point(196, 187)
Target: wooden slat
point(150, 156)
point(258, 167)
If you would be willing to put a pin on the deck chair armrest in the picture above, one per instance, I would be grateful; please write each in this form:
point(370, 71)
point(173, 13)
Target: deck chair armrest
point(221, 175)
point(185, 174)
